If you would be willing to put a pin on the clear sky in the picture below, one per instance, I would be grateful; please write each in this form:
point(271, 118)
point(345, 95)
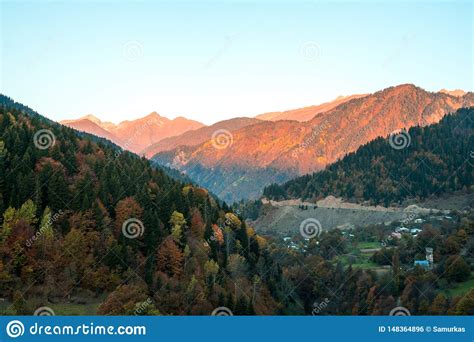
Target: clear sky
point(210, 60)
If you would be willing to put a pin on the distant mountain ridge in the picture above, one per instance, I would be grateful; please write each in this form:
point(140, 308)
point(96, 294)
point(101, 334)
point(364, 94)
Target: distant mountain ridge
point(191, 135)
point(307, 113)
point(456, 92)
point(197, 136)
point(85, 124)
point(275, 151)
point(135, 135)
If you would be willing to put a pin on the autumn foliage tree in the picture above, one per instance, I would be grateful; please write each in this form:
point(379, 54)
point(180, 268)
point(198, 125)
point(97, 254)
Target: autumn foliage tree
point(125, 209)
point(170, 258)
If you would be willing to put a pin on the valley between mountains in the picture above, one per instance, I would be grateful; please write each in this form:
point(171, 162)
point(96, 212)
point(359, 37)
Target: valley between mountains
point(275, 147)
point(361, 209)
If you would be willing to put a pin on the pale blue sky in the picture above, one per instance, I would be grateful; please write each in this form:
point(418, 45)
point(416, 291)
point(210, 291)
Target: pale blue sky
point(210, 60)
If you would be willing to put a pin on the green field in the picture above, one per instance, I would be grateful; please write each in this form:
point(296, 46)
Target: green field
point(461, 289)
point(65, 309)
point(365, 265)
point(358, 261)
point(368, 245)
point(61, 309)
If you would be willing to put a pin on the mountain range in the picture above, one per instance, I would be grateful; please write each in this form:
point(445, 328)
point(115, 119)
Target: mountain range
point(134, 135)
point(275, 147)
point(429, 160)
point(197, 136)
point(275, 151)
point(306, 113)
point(89, 229)
point(154, 133)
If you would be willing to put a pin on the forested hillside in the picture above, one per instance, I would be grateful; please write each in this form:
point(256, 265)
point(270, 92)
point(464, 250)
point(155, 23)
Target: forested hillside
point(83, 219)
point(425, 161)
point(89, 229)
